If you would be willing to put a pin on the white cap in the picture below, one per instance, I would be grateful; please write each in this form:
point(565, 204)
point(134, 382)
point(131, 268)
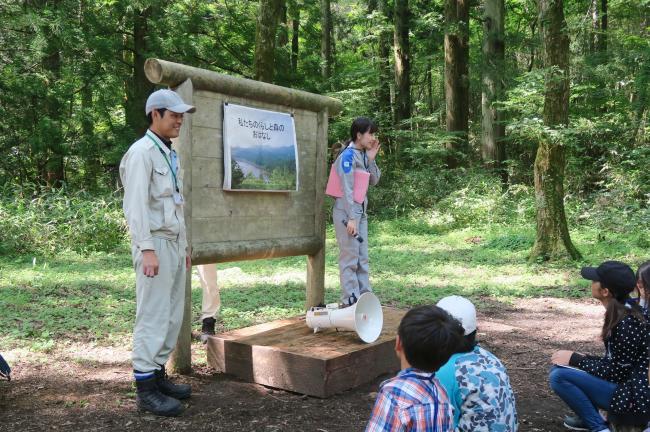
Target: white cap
point(169, 100)
point(461, 309)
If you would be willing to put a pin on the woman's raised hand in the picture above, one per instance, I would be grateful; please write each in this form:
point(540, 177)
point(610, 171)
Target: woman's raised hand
point(372, 153)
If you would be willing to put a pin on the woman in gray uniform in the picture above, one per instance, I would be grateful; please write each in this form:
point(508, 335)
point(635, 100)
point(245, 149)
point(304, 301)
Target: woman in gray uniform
point(350, 222)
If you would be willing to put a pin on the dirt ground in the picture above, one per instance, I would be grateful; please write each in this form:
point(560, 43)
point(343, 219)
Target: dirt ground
point(88, 388)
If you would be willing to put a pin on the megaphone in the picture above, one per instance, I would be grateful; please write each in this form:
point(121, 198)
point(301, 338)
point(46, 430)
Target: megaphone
point(364, 317)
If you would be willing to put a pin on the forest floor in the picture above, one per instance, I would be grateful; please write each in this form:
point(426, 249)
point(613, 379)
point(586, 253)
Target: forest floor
point(88, 387)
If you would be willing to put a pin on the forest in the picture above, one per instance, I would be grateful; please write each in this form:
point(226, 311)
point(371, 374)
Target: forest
point(540, 102)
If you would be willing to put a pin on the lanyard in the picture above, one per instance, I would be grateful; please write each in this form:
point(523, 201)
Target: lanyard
point(164, 155)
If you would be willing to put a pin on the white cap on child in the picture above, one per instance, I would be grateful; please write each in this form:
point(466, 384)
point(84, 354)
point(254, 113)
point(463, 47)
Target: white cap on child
point(461, 309)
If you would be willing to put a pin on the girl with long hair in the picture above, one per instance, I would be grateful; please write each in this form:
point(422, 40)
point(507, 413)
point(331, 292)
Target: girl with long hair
point(618, 380)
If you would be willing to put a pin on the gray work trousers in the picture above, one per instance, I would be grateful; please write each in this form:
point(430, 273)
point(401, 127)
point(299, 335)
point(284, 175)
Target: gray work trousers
point(160, 305)
point(353, 257)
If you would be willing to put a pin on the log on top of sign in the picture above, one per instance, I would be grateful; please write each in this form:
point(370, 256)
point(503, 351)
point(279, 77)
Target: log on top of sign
point(172, 74)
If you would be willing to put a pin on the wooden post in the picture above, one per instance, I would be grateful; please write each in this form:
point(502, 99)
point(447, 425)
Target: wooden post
point(181, 359)
point(316, 263)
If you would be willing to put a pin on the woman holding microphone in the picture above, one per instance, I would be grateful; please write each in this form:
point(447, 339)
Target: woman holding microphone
point(349, 216)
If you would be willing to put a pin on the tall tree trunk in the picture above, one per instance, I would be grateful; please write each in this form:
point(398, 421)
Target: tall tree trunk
point(283, 34)
point(268, 17)
point(90, 151)
point(595, 26)
point(602, 35)
point(326, 39)
point(295, 37)
point(553, 240)
point(429, 84)
point(384, 74)
point(533, 50)
point(457, 78)
point(137, 85)
point(51, 118)
point(598, 36)
point(402, 54)
point(493, 131)
point(383, 91)
point(54, 167)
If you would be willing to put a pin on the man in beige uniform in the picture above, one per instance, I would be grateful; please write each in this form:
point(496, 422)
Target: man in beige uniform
point(153, 206)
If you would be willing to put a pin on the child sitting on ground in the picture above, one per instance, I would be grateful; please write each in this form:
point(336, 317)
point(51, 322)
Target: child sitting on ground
point(475, 379)
point(618, 381)
point(414, 400)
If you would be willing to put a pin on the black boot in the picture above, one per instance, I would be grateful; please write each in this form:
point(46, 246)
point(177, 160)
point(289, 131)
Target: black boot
point(149, 398)
point(207, 329)
point(166, 387)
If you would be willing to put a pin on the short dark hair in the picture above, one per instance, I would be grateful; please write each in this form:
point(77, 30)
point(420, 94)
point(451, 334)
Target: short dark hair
point(161, 111)
point(429, 336)
point(362, 125)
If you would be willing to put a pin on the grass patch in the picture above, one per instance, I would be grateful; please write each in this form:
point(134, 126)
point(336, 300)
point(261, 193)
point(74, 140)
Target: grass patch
point(91, 297)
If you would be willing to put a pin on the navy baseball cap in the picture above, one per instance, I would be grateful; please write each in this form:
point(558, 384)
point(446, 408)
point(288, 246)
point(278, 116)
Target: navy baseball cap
point(616, 276)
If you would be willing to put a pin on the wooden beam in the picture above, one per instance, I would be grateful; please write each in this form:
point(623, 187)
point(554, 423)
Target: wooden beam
point(169, 73)
point(205, 253)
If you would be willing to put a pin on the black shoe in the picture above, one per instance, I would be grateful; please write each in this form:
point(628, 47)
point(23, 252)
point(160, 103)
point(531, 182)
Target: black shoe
point(149, 398)
point(575, 423)
point(207, 329)
point(166, 387)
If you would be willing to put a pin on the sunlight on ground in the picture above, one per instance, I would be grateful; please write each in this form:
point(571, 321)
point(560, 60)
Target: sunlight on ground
point(90, 299)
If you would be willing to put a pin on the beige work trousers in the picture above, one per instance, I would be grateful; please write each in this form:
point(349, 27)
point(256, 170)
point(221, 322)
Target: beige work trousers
point(211, 302)
point(160, 305)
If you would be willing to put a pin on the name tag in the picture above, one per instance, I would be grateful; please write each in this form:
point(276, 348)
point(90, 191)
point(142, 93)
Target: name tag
point(178, 198)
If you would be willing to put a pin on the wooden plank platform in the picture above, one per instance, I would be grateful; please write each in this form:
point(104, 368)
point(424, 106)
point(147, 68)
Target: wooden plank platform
point(286, 354)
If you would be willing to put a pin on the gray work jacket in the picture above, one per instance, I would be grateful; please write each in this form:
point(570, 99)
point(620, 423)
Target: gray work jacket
point(349, 160)
point(149, 205)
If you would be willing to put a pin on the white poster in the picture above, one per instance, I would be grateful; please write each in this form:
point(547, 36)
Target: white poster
point(259, 150)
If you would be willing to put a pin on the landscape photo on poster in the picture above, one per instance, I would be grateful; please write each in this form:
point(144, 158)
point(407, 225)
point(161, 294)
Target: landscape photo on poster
point(260, 150)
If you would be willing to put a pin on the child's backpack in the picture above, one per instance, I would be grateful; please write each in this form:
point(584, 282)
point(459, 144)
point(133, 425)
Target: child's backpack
point(5, 370)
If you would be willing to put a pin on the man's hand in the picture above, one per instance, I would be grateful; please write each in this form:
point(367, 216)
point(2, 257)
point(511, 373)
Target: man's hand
point(352, 227)
point(561, 357)
point(188, 262)
point(149, 263)
point(372, 153)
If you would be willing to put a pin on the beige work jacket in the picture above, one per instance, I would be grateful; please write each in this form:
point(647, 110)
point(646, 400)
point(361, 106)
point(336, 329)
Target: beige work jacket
point(149, 205)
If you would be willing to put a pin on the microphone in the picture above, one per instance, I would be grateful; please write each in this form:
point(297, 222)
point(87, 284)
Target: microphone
point(356, 236)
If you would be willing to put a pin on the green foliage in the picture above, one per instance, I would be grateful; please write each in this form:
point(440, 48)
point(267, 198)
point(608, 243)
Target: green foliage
point(52, 222)
point(236, 175)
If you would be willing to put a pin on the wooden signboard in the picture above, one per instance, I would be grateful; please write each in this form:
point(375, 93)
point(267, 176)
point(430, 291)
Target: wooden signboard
point(228, 226)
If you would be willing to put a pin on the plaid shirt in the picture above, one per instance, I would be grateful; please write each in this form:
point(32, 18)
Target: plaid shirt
point(411, 401)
